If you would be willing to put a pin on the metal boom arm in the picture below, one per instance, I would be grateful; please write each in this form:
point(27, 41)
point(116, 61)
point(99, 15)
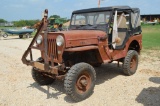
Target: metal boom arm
point(42, 27)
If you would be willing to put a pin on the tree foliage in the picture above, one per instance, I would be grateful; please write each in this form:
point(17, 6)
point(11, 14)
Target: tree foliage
point(55, 16)
point(22, 23)
point(2, 21)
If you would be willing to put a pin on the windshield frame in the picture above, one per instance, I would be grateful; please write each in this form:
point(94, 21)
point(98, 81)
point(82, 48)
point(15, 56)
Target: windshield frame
point(98, 26)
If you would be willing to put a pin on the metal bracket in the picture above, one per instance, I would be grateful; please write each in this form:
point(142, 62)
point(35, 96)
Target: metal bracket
point(43, 26)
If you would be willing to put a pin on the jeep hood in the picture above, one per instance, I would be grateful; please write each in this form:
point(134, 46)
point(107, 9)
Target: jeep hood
point(81, 37)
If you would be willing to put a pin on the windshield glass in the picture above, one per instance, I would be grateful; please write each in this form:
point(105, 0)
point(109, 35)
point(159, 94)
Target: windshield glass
point(94, 20)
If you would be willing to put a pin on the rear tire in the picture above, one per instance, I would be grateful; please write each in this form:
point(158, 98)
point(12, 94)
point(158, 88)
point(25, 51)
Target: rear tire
point(130, 63)
point(80, 81)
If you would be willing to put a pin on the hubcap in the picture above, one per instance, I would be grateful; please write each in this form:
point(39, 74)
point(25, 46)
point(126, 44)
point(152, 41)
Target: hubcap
point(83, 83)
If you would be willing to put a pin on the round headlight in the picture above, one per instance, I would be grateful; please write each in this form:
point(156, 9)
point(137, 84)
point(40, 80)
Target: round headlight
point(39, 39)
point(59, 40)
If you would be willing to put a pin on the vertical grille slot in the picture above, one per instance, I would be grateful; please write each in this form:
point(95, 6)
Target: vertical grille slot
point(52, 48)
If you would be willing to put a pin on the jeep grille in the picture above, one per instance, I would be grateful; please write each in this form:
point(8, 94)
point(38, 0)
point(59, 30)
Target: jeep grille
point(52, 49)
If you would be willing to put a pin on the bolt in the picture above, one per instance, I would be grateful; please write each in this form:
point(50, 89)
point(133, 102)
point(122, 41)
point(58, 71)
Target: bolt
point(84, 82)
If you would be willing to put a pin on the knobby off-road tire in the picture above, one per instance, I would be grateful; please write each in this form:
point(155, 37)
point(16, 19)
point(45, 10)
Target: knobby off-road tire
point(80, 81)
point(130, 63)
point(40, 78)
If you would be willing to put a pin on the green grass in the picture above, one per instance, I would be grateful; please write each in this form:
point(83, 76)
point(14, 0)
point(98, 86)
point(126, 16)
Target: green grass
point(151, 37)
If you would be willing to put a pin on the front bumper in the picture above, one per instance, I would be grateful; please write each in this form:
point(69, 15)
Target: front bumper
point(40, 66)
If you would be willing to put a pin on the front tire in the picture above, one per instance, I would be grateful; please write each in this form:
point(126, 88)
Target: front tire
point(41, 78)
point(80, 81)
point(130, 63)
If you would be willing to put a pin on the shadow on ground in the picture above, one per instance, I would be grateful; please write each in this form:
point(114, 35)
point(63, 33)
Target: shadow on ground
point(104, 73)
point(57, 86)
point(150, 96)
point(155, 80)
point(107, 72)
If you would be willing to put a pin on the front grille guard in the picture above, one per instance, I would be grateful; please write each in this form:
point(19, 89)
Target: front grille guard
point(42, 27)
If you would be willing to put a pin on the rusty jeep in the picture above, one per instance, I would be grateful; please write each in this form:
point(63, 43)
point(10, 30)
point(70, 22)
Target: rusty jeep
point(95, 36)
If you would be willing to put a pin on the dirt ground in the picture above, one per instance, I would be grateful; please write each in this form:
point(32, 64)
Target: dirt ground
point(17, 88)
